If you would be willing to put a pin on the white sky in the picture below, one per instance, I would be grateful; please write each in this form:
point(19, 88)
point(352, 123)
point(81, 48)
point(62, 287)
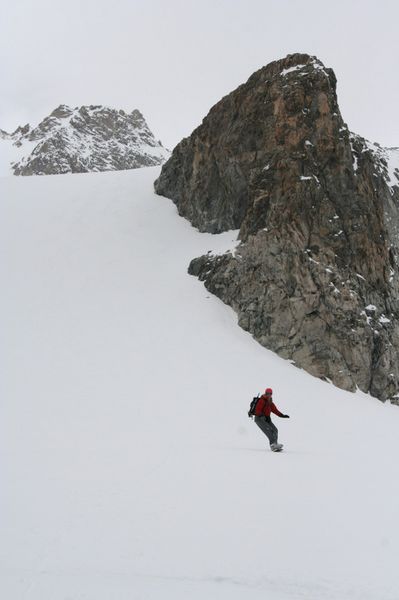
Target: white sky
point(174, 59)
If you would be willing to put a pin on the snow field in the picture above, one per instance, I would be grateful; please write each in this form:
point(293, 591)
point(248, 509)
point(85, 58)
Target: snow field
point(129, 467)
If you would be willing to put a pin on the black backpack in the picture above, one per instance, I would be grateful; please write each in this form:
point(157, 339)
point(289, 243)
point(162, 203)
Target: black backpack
point(252, 406)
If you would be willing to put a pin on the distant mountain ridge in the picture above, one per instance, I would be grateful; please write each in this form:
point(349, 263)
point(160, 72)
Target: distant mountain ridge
point(81, 140)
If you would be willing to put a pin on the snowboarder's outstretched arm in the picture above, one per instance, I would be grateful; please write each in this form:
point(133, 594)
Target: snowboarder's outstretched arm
point(276, 411)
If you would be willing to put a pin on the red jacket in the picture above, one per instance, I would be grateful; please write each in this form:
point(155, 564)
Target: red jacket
point(264, 408)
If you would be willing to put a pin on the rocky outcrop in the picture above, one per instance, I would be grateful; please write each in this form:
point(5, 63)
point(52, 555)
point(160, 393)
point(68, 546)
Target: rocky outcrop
point(315, 276)
point(89, 138)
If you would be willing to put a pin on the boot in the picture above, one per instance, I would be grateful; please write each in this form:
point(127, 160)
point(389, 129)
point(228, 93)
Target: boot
point(276, 447)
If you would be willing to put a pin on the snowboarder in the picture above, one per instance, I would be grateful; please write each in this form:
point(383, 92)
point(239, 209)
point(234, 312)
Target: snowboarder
point(264, 407)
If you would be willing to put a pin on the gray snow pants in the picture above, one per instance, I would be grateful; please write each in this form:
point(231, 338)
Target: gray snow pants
point(268, 428)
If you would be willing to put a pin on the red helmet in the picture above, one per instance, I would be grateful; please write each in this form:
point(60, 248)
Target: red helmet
point(268, 391)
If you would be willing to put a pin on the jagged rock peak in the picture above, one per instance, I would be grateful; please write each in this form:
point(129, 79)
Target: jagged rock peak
point(61, 112)
point(298, 64)
point(316, 276)
point(288, 105)
point(21, 131)
point(86, 138)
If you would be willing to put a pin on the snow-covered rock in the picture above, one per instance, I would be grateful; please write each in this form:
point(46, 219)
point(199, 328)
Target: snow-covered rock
point(386, 160)
point(80, 140)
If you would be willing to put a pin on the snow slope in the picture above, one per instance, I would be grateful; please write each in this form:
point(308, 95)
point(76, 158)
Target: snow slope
point(129, 469)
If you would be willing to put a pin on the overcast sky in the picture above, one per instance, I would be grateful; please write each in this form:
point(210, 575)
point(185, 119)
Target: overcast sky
point(173, 59)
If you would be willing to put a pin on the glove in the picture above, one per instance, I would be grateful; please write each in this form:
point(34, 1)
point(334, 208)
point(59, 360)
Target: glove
point(286, 416)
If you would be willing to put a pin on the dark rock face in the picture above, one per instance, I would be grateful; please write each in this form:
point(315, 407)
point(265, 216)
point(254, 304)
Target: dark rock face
point(89, 138)
point(315, 277)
